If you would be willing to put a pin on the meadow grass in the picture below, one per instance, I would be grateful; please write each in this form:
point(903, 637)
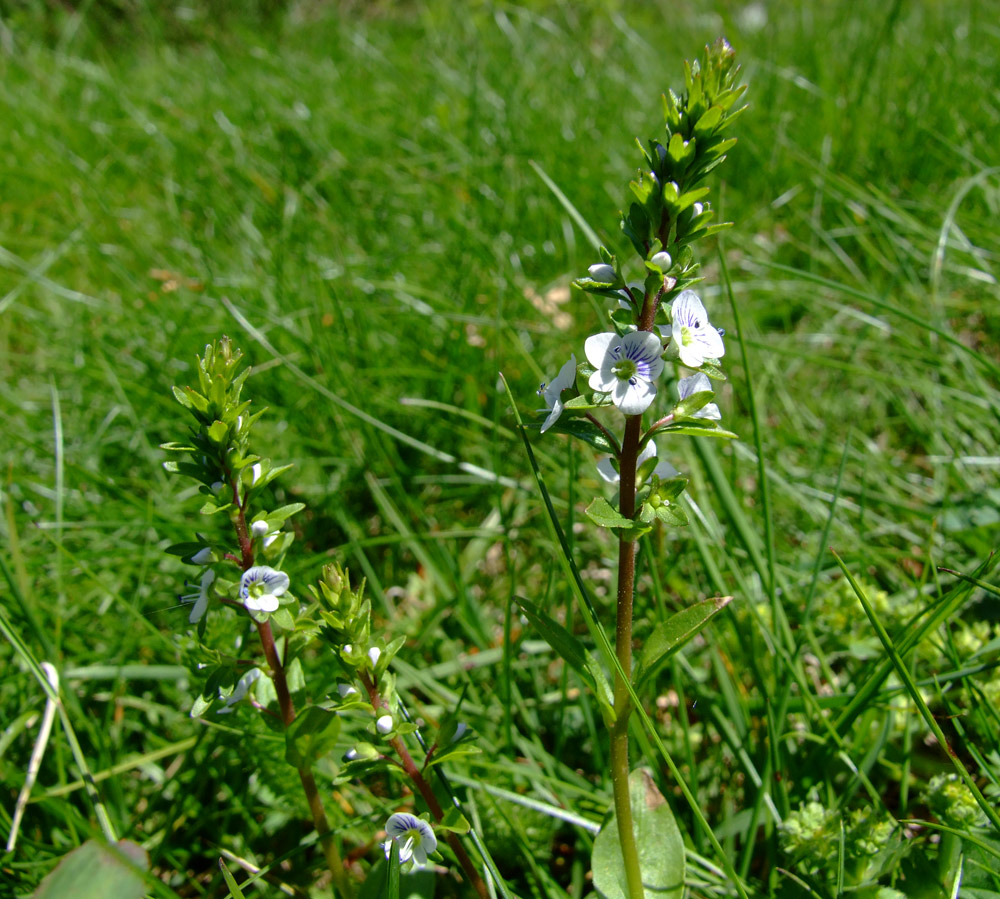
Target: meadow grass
point(353, 195)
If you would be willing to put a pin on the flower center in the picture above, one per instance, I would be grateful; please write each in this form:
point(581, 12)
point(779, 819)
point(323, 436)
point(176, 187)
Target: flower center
point(687, 335)
point(624, 369)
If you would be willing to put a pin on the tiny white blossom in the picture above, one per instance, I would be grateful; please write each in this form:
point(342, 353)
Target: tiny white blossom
point(351, 755)
point(258, 528)
point(626, 368)
point(694, 336)
point(663, 470)
point(241, 689)
point(552, 392)
point(373, 655)
point(414, 836)
point(260, 588)
point(200, 599)
point(602, 273)
point(384, 724)
point(698, 384)
point(662, 260)
point(346, 690)
point(697, 210)
point(255, 473)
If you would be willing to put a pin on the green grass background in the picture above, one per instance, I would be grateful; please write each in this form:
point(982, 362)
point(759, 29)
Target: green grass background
point(356, 182)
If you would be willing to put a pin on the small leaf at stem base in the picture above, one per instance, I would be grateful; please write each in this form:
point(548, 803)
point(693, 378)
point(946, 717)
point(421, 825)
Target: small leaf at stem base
point(658, 841)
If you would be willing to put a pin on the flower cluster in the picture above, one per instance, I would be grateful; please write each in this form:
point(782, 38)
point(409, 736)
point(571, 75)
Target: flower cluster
point(626, 366)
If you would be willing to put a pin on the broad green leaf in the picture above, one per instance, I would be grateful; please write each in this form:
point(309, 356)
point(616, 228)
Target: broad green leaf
point(658, 840)
point(669, 636)
point(310, 736)
point(603, 514)
point(97, 871)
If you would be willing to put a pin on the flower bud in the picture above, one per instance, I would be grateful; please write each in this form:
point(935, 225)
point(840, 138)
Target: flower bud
point(662, 260)
point(384, 724)
point(603, 273)
point(258, 528)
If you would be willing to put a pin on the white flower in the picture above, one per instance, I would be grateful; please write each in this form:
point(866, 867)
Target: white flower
point(346, 690)
point(663, 470)
point(415, 838)
point(240, 690)
point(602, 273)
point(258, 528)
point(698, 384)
point(695, 338)
point(373, 655)
point(384, 724)
point(260, 588)
point(351, 755)
point(626, 368)
point(200, 599)
point(552, 392)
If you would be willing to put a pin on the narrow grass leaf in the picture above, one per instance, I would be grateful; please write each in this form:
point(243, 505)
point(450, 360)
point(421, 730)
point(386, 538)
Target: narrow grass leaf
point(902, 669)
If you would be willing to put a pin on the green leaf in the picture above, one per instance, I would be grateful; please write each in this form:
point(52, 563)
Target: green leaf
point(586, 431)
point(705, 430)
point(670, 635)
point(453, 822)
point(671, 515)
point(217, 432)
point(282, 617)
point(560, 639)
point(689, 198)
point(706, 124)
point(691, 404)
point(450, 753)
point(603, 514)
point(310, 736)
point(658, 841)
point(97, 871)
point(584, 402)
point(234, 888)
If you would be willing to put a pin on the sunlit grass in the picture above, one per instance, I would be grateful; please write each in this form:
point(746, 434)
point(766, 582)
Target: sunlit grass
point(351, 197)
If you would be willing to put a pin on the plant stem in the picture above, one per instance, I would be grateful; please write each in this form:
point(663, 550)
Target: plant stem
point(287, 707)
point(424, 788)
point(623, 649)
point(333, 860)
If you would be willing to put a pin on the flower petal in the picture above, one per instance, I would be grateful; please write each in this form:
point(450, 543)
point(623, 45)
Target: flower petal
point(606, 470)
point(689, 310)
point(633, 399)
point(596, 348)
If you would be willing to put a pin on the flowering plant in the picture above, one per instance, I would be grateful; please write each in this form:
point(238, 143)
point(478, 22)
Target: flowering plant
point(657, 324)
point(233, 480)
